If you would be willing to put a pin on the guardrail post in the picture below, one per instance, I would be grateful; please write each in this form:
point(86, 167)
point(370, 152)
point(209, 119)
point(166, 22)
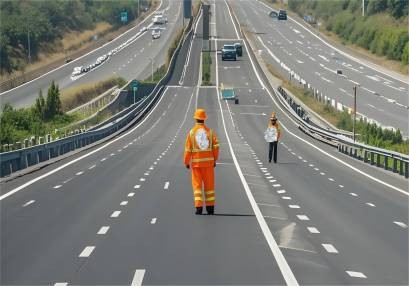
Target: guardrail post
point(401, 167)
point(365, 156)
point(41, 140)
point(5, 147)
point(17, 145)
point(26, 144)
point(378, 160)
point(48, 138)
point(355, 153)
point(372, 158)
point(395, 165)
point(386, 163)
point(406, 169)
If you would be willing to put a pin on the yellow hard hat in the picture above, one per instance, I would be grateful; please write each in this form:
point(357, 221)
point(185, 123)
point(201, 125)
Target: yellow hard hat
point(200, 114)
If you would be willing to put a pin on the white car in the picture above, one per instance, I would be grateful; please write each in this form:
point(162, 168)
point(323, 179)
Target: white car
point(76, 72)
point(160, 20)
point(155, 34)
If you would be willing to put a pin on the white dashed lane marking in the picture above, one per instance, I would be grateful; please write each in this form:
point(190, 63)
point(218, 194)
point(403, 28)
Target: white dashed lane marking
point(313, 230)
point(353, 194)
point(356, 274)
point(329, 248)
point(137, 186)
point(286, 198)
point(166, 186)
point(138, 277)
point(276, 185)
point(103, 230)
point(280, 191)
point(57, 187)
point(153, 220)
point(370, 204)
point(401, 224)
point(79, 173)
point(124, 203)
point(142, 179)
point(61, 284)
point(28, 203)
point(92, 167)
point(103, 159)
point(116, 214)
point(331, 179)
point(131, 194)
point(87, 251)
point(303, 217)
point(294, 206)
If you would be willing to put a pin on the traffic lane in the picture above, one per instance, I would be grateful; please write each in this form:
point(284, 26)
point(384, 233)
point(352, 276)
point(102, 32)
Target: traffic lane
point(209, 245)
point(233, 73)
point(371, 110)
point(89, 198)
point(223, 22)
point(98, 158)
point(25, 94)
point(323, 201)
point(382, 83)
point(166, 101)
point(369, 104)
point(368, 77)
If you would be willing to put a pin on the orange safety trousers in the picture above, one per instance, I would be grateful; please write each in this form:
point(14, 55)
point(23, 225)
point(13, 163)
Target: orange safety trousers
point(203, 176)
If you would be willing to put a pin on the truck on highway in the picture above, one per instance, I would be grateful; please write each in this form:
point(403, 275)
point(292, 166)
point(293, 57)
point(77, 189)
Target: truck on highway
point(229, 52)
point(227, 93)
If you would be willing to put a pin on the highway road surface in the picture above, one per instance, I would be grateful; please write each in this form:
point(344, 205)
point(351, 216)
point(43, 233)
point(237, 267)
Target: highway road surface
point(123, 213)
point(133, 61)
point(381, 97)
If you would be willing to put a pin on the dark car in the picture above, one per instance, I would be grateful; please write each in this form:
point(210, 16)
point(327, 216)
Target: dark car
point(239, 49)
point(273, 14)
point(282, 15)
point(229, 52)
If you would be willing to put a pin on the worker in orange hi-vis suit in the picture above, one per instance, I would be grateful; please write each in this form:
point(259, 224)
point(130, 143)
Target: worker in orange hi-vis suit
point(201, 154)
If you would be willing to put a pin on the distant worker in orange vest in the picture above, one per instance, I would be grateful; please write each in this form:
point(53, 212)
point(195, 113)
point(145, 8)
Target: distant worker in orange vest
point(272, 134)
point(201, 154)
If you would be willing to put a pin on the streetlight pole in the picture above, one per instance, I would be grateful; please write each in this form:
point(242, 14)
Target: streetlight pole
point(353, 126)
point(363, 8)
point(152, 68)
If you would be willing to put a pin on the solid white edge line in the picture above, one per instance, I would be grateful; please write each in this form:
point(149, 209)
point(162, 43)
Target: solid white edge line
point(15, 190)
point(285, 269)
point(311, 144)
point(109, 42)
point(138, 277)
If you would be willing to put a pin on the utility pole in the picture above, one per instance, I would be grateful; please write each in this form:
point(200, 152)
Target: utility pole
point(363, 8)
point(28, 43)
point(353, 126)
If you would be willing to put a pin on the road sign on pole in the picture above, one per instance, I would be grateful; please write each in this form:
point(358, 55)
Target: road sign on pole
point(134, 85)
point(124, 17)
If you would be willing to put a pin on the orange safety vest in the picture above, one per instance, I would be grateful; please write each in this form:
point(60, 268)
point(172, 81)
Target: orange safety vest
point(201, 157)
point(277, 126)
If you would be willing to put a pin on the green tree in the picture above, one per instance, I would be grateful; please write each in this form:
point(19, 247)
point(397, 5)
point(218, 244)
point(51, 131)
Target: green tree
point(53, 102)
point(40, 107)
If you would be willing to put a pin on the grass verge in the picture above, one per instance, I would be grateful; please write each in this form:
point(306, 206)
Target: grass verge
point(76, 96)
point(206, 68)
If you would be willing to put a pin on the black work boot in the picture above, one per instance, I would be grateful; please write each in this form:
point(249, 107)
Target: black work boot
point(210, 210)
point(199, 210)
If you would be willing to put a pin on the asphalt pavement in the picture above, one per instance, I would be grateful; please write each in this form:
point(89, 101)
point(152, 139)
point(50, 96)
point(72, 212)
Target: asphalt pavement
point(135, 60)
point(380, 97)
point(123, 213)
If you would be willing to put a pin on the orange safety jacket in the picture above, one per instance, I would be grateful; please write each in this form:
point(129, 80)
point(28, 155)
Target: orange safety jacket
point(197, 156)
point(277, 126)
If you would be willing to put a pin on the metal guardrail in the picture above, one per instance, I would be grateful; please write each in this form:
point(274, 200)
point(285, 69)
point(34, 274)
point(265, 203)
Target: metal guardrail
point(368, 154)
point(17, 160)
